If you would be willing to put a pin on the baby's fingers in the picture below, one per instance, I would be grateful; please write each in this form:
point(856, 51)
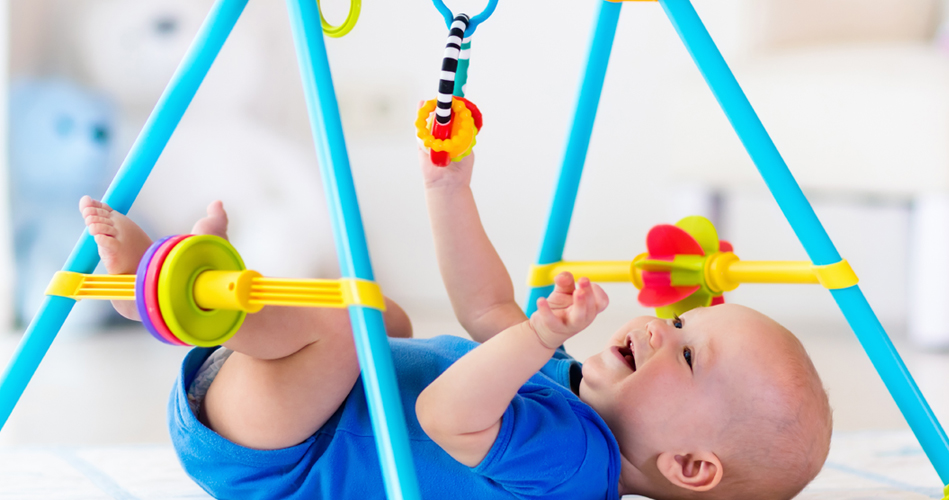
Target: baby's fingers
point(564, 283)
point(545, 313)
point(584, 307)
point(600, 298)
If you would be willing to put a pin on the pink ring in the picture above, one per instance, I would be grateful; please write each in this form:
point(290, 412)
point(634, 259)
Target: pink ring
point(151, 289)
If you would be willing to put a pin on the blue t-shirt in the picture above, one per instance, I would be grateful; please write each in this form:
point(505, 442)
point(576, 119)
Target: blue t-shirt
point(550, 445)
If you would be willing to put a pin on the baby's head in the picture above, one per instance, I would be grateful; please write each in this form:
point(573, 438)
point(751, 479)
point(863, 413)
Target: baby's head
point(723, 403)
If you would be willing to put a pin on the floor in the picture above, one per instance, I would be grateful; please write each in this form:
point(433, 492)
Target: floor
point(92, 423)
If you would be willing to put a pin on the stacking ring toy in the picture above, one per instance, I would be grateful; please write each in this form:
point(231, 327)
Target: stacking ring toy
point(463, 129)
point(195, 290)
point(348, 24)
point(140, 303)
point(151, 289)
point(186, 320)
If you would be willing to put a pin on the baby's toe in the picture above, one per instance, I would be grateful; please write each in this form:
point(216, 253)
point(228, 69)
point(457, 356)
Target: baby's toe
point(96, 211)
point(87, 202)
point(108, 245)
point(93, 219)
point(101, 229)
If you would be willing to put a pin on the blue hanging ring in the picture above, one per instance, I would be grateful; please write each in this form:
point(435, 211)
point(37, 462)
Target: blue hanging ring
point(475, 21)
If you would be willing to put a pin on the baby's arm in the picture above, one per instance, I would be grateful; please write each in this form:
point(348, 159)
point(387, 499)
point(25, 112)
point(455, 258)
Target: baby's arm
point(462, 409)
point(478, 285)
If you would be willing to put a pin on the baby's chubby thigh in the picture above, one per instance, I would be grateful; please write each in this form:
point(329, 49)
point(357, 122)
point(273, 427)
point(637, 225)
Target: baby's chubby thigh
point(290, 372)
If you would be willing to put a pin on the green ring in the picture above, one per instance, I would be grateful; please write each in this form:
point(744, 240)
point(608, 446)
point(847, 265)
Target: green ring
point(348, 24)
point(181, 313)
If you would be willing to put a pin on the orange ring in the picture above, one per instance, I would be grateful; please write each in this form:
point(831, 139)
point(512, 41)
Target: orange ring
point(463, 130)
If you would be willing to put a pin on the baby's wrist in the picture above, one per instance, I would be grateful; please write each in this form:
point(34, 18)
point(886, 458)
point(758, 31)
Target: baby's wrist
point(445, 185)
point(544, 336)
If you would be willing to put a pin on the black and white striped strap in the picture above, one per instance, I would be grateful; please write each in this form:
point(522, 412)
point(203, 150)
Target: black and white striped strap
point(446, 85)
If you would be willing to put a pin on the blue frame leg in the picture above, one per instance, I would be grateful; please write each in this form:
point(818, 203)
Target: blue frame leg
point(809, 231)
point(121, 194)
point(565, 196)
point(372, 345)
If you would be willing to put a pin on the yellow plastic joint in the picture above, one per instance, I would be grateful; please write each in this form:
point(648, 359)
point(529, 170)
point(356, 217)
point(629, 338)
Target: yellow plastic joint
point(836, 276)
point(945, 492)
point(225, 290)
point(635, 273)
point(362, 293)
point(78, 286)
point(716, 275)
point(540, 275)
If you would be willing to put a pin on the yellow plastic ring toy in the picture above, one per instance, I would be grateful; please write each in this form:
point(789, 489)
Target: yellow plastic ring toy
point(348, 24)
point(181, 313)
point(463, 131)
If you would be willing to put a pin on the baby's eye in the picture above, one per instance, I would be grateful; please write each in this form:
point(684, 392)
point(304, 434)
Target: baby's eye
point(687, 353)
point(676, 321)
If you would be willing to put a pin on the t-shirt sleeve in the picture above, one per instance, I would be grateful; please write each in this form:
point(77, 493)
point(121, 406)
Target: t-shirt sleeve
point(547, 449)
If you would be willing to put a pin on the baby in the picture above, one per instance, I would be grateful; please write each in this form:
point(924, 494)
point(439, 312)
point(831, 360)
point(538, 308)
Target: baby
point(720, 403)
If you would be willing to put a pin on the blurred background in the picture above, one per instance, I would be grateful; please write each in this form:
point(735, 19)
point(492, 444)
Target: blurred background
point(855, 94)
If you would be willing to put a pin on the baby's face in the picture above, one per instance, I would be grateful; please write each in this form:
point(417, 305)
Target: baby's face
point(663, 385)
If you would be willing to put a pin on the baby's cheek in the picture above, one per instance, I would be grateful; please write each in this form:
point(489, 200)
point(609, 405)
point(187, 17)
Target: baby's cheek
point(660, 390)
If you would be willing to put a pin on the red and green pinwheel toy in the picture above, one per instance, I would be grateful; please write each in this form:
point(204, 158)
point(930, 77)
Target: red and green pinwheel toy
point(673, 270)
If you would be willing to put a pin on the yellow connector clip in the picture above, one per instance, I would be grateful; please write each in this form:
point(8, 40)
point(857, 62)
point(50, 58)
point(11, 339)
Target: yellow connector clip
point(79, 286)
point(836, 276)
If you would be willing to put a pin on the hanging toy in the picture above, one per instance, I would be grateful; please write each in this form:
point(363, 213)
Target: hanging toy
point(447, 126)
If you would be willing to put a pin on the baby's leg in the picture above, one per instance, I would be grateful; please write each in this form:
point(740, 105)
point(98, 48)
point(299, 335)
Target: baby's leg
point(292, 367)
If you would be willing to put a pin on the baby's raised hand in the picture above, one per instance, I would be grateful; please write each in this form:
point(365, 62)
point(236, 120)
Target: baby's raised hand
point(568, 310)
point(457, 173)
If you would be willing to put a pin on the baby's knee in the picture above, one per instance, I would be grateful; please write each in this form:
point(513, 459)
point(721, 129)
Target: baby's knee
point(397, 322)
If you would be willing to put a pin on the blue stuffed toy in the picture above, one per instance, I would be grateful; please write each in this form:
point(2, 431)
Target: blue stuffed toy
point(60, 149)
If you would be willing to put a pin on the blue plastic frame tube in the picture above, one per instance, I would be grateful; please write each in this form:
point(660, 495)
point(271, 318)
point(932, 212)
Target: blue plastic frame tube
point(588, 100)
point(121, 194)
point(809, 231)
point(372, 345)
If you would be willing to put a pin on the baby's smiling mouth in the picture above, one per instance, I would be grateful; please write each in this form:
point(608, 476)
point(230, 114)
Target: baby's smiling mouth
point(627, 353)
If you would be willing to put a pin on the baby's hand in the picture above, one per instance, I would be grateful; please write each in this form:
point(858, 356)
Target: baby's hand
point(455, 174)
point(569, 309)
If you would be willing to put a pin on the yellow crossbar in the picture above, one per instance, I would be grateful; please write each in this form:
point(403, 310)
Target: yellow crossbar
point(232, 290)
point(599, 271)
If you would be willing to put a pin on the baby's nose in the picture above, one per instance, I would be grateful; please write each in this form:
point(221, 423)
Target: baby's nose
point(657, 330)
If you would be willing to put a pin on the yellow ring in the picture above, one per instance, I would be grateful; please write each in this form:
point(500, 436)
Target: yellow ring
point(186, 320)
point(348, 24)
point(463, 131)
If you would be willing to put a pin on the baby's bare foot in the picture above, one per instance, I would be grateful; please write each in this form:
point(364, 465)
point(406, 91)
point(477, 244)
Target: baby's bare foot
point(215, 223)
point(121, 242)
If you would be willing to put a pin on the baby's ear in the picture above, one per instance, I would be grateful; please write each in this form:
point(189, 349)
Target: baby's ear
point(700, 471)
